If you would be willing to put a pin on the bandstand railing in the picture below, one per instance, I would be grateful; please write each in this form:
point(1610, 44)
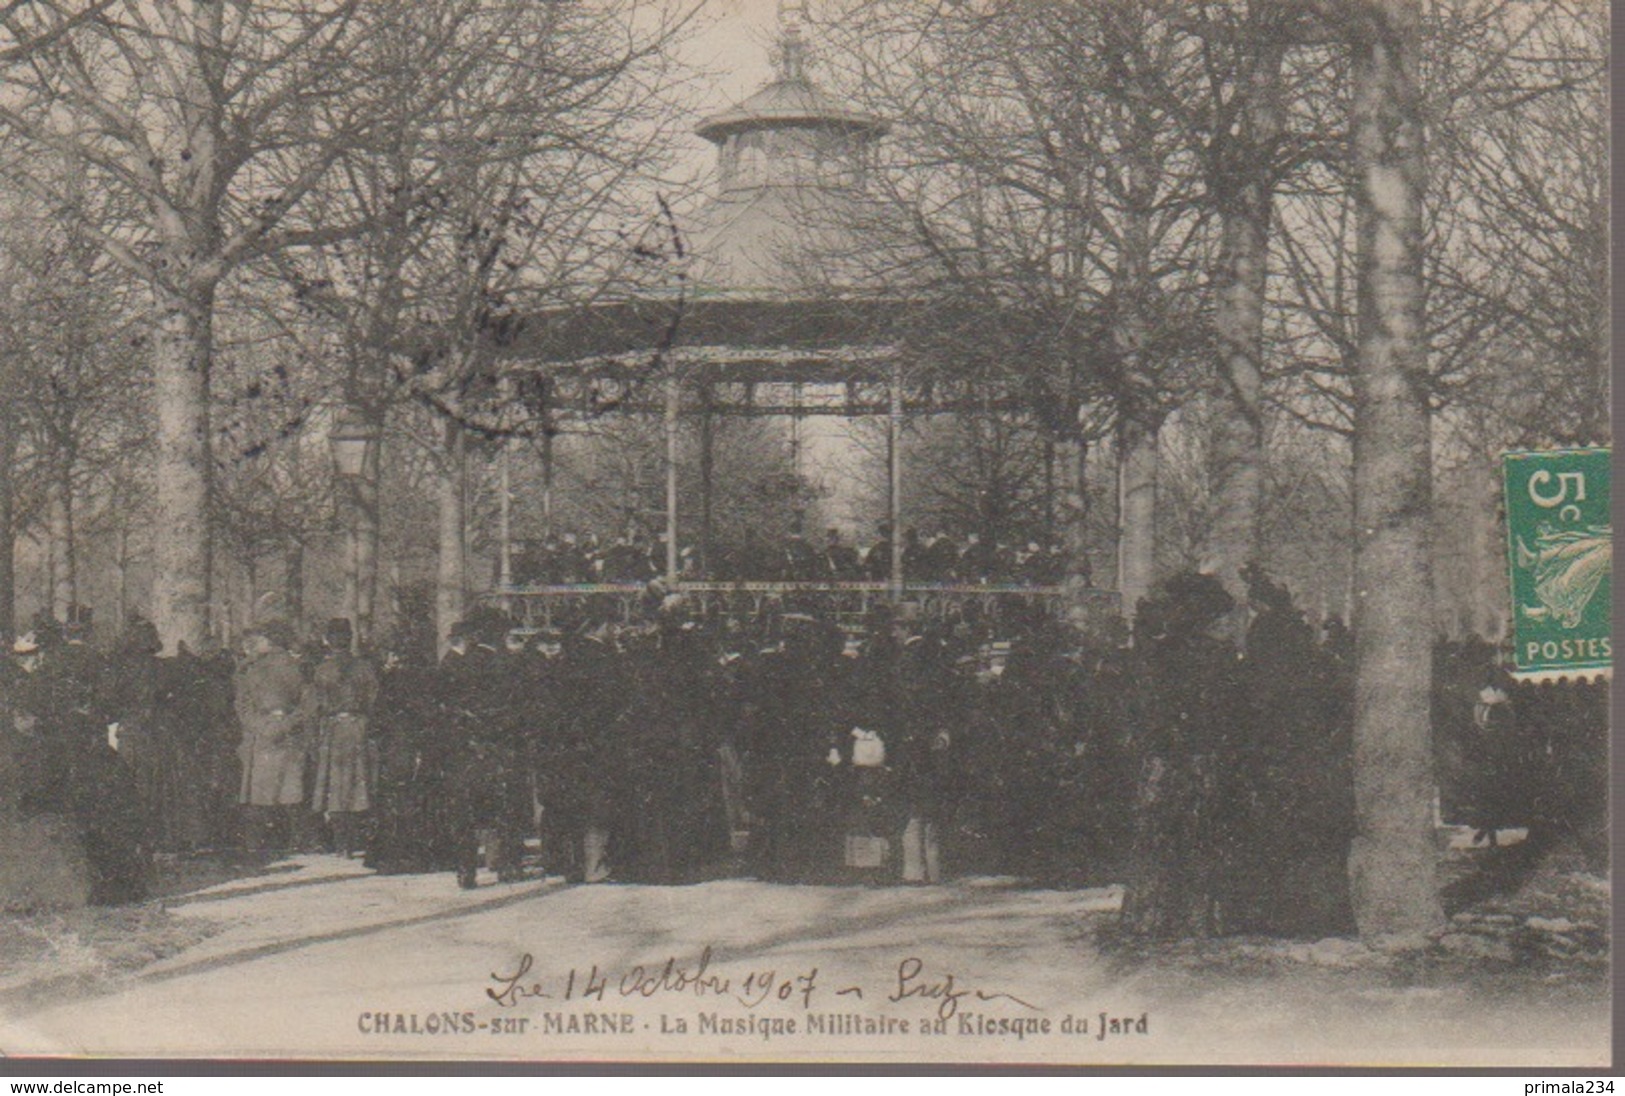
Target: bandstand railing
point(534, 607)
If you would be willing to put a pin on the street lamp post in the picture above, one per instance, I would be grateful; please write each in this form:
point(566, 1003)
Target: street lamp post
point(354, 440)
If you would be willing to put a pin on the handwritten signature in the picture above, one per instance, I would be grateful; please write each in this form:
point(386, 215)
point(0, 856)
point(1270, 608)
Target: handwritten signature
point(913, 982)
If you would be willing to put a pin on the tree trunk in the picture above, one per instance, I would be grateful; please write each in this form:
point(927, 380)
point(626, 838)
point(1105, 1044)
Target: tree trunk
point(181, 346)
point(451, 563)
point(1138, 421)
point(1391, 864)
point(707, 470)
point(1244, 206)
point(293, 585)
point(8, 533)
point(1136, 513)
point(121, 563)
point(1074, 480)
point(366, 548)
point(1490, 608)
point(64, 581)
point(1049, 486)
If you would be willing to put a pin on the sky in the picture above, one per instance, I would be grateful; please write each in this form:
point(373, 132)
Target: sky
point(729, 48)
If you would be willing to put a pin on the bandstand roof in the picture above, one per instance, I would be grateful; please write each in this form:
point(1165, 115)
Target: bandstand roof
point(762, 299)
point(769, 300)
point(791, 100)
point(839, 330)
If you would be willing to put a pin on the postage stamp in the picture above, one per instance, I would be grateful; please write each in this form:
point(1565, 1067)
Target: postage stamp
point(1560, 553)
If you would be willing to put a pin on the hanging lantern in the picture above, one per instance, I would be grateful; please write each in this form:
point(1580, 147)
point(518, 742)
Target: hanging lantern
point(353, 439)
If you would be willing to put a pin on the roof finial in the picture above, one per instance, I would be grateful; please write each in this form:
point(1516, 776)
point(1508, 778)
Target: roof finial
point(792, 48)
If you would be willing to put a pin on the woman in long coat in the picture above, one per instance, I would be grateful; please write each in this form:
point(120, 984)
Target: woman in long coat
point(269, 700)
point(342, 693)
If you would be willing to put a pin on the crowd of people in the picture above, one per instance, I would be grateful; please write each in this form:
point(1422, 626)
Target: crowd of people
point(569, 558)
point(690, 745)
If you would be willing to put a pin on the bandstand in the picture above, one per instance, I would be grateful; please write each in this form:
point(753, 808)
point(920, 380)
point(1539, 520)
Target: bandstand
point(768, 320)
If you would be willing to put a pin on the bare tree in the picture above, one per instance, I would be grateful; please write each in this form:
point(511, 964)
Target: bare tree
point(509, 199)
point(1049, 200)
point(224, 126)
point(1391, 863)
point(216, 122)
point(74, 402)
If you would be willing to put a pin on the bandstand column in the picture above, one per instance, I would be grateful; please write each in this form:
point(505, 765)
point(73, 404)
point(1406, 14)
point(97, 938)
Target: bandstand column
point(547, 483)
point(706, 459)
point(894, 460)
point(672, 396)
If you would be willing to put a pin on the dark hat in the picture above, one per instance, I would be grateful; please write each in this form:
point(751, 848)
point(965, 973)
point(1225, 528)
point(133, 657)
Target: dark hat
point(142, 635)
point(1262, 591)
point(1183, 604)
point(488, 624)
point(279, 632)
point(47, 630)
point(339, 633)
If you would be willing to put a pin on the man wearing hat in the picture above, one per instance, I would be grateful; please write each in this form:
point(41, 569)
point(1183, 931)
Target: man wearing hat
point(269, 701)
point(484, 779)
point(877, 561)
point(840, 560)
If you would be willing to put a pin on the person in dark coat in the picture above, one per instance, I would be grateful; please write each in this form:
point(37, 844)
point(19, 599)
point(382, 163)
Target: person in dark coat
point(1188, 709)
point(589, 779)
point(484, 784)
point(412, 828)
point(787, 734)
point(70, 676)
point(877, 561)
point(70, 770)
point(204, 720)
point(1285, 869)
point(1030, 756)
point(343, 691)
point(538, 674)
point(675, 812)
point(976, 560)
point(102, 798)
point(1106, 751)
point(935, 705)
point(801, 562)
point(131, 704)
point(841, 563)
point(178, 755)
point(574, 563)
point(269, 699)
point(916, 556)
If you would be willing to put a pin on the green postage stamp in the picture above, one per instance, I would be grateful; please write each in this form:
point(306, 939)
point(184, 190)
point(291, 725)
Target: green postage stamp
point(1560, 548)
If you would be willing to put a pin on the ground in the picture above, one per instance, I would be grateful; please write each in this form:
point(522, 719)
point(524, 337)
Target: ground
point(316, 956)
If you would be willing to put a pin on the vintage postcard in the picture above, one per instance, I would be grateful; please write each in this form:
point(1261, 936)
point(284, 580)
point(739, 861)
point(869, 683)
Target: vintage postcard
point(806, 531)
